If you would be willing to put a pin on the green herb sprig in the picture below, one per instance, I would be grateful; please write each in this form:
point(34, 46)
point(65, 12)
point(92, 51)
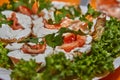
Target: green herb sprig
point(71, 12)
point(92, 11)
point(3, 20)
point(33, 40)
point(56, 39)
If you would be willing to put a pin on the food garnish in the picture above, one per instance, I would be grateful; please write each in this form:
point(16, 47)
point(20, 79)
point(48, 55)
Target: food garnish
point(73, 51)
point(3, 20)
point(4, 59)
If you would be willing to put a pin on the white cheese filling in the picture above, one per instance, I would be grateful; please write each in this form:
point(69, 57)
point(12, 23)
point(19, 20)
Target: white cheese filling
point(84, 49)
point(6, 32)
point(14, 46)
point(48, 14)
point(18, 54)
point(39, 30)
point(24, 20)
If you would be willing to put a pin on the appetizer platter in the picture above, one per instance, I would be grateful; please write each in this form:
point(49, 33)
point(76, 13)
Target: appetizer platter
point(52, 40)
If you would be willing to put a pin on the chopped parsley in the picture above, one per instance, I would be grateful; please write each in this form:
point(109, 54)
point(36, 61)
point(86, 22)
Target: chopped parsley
point(5, 62)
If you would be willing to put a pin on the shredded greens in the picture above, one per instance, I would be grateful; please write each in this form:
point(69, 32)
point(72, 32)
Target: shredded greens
point(111, 37)
point(4, 59)
point(44, 4)
point(24, 70)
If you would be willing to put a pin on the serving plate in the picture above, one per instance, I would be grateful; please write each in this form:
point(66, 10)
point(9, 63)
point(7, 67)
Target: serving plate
point(5, 74)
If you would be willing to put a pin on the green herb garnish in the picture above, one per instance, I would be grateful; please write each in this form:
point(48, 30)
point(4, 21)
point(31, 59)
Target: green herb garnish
point(3, 20)
point(111, 37)
point(92, 12)
point(82, 18)
point(60, 68)
point(86, 67)
point(4, 59)
point(56, 39)
point(33, 40)
point(70, 12)
point(24, 70)
point(44, 4)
